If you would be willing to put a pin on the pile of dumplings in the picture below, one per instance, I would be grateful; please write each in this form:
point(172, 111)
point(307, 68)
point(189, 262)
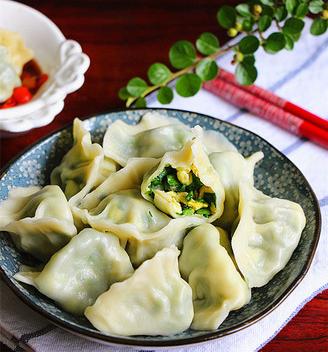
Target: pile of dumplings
point(159, 230)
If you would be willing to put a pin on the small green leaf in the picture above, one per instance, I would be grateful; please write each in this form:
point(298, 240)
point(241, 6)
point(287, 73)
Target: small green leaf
point(267, 10)
point(243, 10)
point(293, 26)
point(227, 17)
point(207, 69)
point(123, 93)
point(247, 24)
point(207, 43)
point(158, 73)
point(289, 42)
point(188, 85)
point(136, 86)
point(302, 10)
point(280, 13)
point(140, 103)
point(274, 43)
point(182, 54)
point(264, 23)
point(290, 5)
point(165, 95)
point(267, 2)
point(246, 73)
point(248, 45)
point(316, 6)
point(318, 26)
point(249, 59)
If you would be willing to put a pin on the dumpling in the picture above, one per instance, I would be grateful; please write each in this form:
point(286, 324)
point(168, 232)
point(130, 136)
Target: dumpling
point(9, 78)
point(268, 232)
point(232, 168)
point(85, 268)
point(155, 135)
point(83, 165)
point(129, 177)
point(151, 137)
point(140, 226)
point(185, 184)
point(217, 286)
point(39, 221)
point(155, 300)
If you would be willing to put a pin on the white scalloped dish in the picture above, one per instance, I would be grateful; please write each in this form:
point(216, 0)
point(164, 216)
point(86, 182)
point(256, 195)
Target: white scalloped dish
point(62, 59)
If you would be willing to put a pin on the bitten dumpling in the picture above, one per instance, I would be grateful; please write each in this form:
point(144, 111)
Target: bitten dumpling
point(155, 300)
point(83, 165)
point(232, 168)
point(217, 286)
point(85, 268)
point(185, 184)
point(39, 221)
point(267, 234)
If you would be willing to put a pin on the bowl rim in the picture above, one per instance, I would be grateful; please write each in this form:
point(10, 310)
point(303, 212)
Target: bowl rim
point(18, 112)
point(211, 335)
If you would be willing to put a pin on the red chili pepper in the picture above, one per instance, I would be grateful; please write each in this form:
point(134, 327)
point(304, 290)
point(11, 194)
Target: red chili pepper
point(9, 103)
point(22, 95)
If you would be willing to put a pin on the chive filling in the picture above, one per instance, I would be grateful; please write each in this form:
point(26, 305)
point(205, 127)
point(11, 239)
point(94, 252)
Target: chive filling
point(193, 196)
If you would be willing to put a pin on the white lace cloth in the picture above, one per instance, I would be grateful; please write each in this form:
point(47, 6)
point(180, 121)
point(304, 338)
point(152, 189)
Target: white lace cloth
point(300, 76)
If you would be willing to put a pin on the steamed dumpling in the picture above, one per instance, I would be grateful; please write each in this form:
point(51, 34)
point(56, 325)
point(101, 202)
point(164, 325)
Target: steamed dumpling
point(232, 168)
point(140, 226)
point(185, 184)
point(39, 220)
point(85, 268)
point(268, 232)
point(83, 165)
point(155, 300)
point(217, 286)
point(155, 135)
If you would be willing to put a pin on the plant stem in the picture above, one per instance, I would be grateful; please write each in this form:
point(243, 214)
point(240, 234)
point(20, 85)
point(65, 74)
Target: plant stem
point(177, 74)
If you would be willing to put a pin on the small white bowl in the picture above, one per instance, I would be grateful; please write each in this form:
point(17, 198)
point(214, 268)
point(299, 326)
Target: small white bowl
point(63, 61)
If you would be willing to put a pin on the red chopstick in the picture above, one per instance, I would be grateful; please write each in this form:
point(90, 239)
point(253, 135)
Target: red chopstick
point(276, 100)
point(265, 109)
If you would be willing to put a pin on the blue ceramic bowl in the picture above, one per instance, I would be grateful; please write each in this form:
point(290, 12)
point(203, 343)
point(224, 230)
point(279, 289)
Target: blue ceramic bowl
point(275, 175)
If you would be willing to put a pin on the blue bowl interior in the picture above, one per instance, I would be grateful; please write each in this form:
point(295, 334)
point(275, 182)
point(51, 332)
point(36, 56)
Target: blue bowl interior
point(275, 175)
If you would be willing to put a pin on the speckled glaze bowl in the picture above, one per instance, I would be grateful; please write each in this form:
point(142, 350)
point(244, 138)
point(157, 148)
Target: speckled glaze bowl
point(275, 175)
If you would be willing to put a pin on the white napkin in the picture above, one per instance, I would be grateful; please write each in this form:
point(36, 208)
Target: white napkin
point(300, 76)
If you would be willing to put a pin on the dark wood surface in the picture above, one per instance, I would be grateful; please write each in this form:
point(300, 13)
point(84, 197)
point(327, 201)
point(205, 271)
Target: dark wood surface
point(122, 39)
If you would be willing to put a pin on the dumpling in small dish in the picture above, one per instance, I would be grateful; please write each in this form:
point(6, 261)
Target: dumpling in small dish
point(217, 286)
point(85, 268)
point(233, 168)
point(185, 184)
point(266, 236)
point(155, 300)
point(83, 165)
point(39, 220)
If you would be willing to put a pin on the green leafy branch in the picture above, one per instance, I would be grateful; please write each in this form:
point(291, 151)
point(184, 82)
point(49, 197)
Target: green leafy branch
point(196, 64)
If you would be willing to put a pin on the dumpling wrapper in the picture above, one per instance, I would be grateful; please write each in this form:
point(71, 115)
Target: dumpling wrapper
point(266, 236)
point(155, 300)
point(233, 168)
point(217, 286)
point(85, 268)
point(155, 135)
point(141, 227)
point(39, 220)
point(84, 165)
point(18, 53)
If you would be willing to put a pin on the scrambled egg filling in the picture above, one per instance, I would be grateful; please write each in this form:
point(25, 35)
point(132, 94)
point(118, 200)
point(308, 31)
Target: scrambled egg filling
point(182, 191)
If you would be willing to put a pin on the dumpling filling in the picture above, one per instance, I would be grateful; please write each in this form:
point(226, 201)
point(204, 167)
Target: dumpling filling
point(182, 190)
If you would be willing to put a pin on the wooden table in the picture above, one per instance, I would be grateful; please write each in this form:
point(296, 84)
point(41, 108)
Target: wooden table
point(122, 39)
